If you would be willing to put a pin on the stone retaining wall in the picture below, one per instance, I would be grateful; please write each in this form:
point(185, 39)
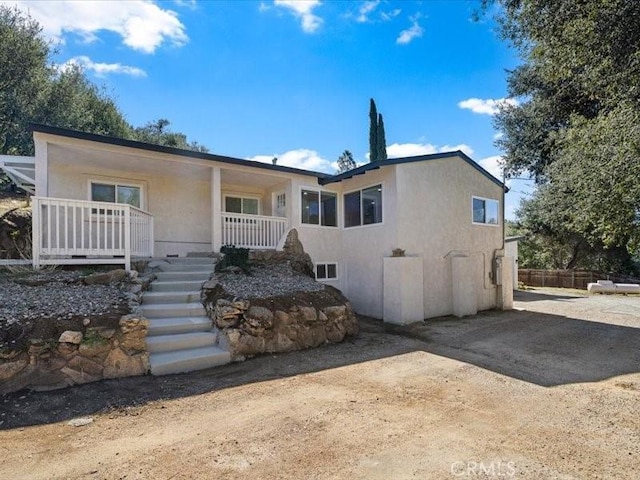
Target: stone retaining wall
point(279, 324)
point(78, 357)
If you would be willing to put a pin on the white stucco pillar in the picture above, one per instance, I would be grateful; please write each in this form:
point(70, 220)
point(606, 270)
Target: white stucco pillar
point(463, 288)
point(505, 289)
point(216, 209)
point(403, 296)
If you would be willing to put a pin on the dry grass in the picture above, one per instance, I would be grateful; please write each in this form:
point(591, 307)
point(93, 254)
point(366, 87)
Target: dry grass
point(9, 201)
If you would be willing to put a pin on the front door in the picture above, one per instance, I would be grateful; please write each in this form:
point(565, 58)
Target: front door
point(280, 204)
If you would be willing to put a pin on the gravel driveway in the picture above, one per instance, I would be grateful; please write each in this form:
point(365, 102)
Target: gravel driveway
point(548, 391)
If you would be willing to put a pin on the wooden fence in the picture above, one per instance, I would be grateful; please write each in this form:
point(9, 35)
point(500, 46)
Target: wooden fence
point(568, 278)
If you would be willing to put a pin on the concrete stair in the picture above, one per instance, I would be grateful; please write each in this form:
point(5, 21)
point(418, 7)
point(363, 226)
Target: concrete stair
point(181, 337)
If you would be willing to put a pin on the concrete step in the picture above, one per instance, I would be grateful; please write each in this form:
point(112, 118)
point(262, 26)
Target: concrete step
point(200, 275)
point(184, 260)
point(170, 297)
point(180, 341)
point(167, 310)
point(181, 361)
point(175, 286)
point(175, 325)
point(186, 267)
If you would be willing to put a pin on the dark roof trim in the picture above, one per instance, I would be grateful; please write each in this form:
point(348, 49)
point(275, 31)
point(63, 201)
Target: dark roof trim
point(63, 132)
point(420, 158)
point(323, 178)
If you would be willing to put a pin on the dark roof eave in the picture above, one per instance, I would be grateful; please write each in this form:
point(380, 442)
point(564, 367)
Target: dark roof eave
point(63, 132)
point(420, 158)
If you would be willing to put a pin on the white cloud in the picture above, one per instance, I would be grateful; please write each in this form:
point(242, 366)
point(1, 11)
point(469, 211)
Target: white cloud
point(300, 158)
point(142, 24)
point(493, 165)
point(415, 31)
point(365, 9)
point(466, 149)
point(190, 4)
point(487, 106)
point(386, 16)
point(103, 69)
point(303, 9)
point(399, 150)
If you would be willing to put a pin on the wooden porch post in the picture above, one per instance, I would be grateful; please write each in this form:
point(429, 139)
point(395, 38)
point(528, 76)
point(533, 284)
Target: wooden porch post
point(216, 210)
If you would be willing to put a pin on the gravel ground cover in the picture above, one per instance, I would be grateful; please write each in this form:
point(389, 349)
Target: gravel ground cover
point(271, 281)
point(34, 304)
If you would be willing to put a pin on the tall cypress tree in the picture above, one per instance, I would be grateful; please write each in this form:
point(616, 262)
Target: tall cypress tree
point(381, 147)
point(373, 132)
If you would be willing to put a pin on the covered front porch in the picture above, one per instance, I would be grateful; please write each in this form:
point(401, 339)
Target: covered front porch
point(98, 203)
point(79, 232)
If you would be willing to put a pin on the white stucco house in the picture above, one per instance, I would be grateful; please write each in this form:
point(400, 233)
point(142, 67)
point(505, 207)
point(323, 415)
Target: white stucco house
point(103, 200)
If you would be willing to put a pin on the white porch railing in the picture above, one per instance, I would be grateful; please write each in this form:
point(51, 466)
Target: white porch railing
point(252, 231)
point(64, 230)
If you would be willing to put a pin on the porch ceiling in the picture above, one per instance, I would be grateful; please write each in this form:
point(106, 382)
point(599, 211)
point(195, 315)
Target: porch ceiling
point(127, 162)
point(253, 178)
point(111, 160)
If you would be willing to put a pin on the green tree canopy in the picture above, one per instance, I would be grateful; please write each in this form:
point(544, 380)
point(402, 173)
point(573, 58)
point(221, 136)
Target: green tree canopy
point(24, 71)
point(158, 133)
point(575, 129)
point(346, 162)
point(381, 139)
point(373, 131)
point(377, 137)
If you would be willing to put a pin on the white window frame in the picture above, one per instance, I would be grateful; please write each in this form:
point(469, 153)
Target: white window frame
point(242, 196)
point(117, 184)
point(326, 264)
point(320, 192)
point(382, 186)
point(484, 199)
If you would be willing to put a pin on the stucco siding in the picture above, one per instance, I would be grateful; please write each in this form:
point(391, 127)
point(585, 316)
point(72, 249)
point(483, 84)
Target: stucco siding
point(323, 244)
point(365, 247)
point(435, 219)
point(181, 205)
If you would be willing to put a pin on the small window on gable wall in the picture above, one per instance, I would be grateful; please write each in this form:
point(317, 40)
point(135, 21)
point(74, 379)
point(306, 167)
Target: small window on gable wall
point(485, 211)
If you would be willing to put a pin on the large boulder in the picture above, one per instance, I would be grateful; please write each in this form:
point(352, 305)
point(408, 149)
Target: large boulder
point(292, 254)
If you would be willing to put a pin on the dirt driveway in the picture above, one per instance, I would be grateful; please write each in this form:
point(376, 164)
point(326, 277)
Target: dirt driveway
point(551, 391)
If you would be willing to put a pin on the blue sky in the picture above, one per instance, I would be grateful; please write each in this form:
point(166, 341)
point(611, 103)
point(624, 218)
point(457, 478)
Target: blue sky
point(293, 79)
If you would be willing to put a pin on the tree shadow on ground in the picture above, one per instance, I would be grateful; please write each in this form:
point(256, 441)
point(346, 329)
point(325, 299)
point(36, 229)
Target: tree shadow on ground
point(543, 349)
point(534, 296)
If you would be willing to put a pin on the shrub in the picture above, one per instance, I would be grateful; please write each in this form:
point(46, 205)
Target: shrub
point(233, 257)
